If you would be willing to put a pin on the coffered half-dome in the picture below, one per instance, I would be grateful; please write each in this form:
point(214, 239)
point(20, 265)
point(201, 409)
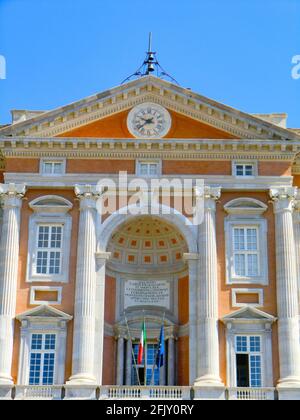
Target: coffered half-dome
point(147, 244)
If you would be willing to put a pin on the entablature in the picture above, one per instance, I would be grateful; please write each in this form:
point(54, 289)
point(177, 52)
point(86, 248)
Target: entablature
point(155, 149)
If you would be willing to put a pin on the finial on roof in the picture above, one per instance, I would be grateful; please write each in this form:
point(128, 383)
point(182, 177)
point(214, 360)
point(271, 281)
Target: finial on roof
point(150, 66)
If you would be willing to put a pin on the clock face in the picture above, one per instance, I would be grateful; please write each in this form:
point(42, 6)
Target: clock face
point(149, 121)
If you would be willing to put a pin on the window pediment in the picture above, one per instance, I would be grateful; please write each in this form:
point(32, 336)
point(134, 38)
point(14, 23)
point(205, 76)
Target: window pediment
point(248, 314)
point(51, 204)
point(245, 206)
point(44, 312)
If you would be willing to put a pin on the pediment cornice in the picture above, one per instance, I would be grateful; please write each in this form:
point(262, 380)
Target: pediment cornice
point(248, 314)
point(44, 312)
point(122, 98)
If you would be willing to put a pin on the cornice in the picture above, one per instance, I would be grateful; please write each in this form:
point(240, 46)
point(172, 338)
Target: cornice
point(227, 183)
point(134, 148)
point(64, 119)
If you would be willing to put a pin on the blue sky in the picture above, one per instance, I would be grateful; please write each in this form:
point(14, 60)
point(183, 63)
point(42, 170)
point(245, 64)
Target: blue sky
point(238, 52)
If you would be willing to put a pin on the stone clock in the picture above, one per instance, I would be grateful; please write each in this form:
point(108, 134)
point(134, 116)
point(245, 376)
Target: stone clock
point(149, 120)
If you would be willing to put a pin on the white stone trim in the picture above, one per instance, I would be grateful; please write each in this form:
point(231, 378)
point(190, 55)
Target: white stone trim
point(262, 226)
point(63, 205)
point(148, 89)
point(172, 216)
point(203, 149)
point(34, 222)
point(228, 183)
point(258, 292)
point(245, 205)
point(35, 289)
point(248, 322)
point(38, 321)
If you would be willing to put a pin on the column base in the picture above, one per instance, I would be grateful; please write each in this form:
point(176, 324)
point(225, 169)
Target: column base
point(209, 381)
point(289, 389)
point(6, 380)
point(80, 392)
point(206, 393)
point(82, 379)
point(288, 394)
point(6, 392)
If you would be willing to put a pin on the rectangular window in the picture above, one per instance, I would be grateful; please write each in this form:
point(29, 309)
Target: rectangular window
point(53, 167)
point(246, 252)
point(248, 362)
point(244, 170)
point(148, 169)
point(42, 359)
point(49, 249)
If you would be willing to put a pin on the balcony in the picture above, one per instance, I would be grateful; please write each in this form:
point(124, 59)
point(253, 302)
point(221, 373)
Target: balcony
point(251, 394)
point(110, 393)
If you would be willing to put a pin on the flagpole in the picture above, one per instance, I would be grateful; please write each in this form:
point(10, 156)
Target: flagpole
point(132, 350)
point(157, 350)
point(145, 354)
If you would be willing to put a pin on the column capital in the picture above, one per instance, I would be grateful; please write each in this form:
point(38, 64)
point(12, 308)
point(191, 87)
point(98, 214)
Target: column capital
point(208, 193)
point(88, 196)
point(103, 256)
point(191, 257)
point(88, 192)
point(283, 198)
point(12, 194)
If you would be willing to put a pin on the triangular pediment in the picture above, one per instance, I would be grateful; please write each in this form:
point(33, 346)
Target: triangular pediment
point(205, 117)
point(44, 312)
point(248, 313)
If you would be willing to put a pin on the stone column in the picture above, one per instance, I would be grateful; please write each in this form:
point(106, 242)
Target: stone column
point(171, 361)
point(208, 374)
point(297, 241)
point(192, 260)
point(85, 299)
point(120, 362)
point(128, 362)
point(287, 291)
point(9, 261)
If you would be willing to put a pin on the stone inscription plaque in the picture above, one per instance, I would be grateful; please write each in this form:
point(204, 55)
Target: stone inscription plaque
point(147, 293)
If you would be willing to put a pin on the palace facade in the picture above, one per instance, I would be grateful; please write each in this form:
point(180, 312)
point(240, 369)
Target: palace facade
point(77, 283)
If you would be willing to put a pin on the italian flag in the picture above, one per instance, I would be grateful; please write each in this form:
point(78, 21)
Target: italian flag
point(142, 345)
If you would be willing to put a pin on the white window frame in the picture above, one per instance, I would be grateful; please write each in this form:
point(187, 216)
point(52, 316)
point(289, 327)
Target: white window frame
point(254, 323)
point(53, 161)
point(261, 225)
point(244, 163)
point(49, 215)
point(43, 320)
point(148, 162)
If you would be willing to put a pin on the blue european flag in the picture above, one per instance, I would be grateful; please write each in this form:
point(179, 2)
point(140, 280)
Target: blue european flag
point(161, 349)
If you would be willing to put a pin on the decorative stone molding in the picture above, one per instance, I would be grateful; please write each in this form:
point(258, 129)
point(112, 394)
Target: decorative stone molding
point(11, 194)
point(190, 149)
point(283, 198)
point(249, 321)
point(147, 89)
point(242, 206)
point(51, 204)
